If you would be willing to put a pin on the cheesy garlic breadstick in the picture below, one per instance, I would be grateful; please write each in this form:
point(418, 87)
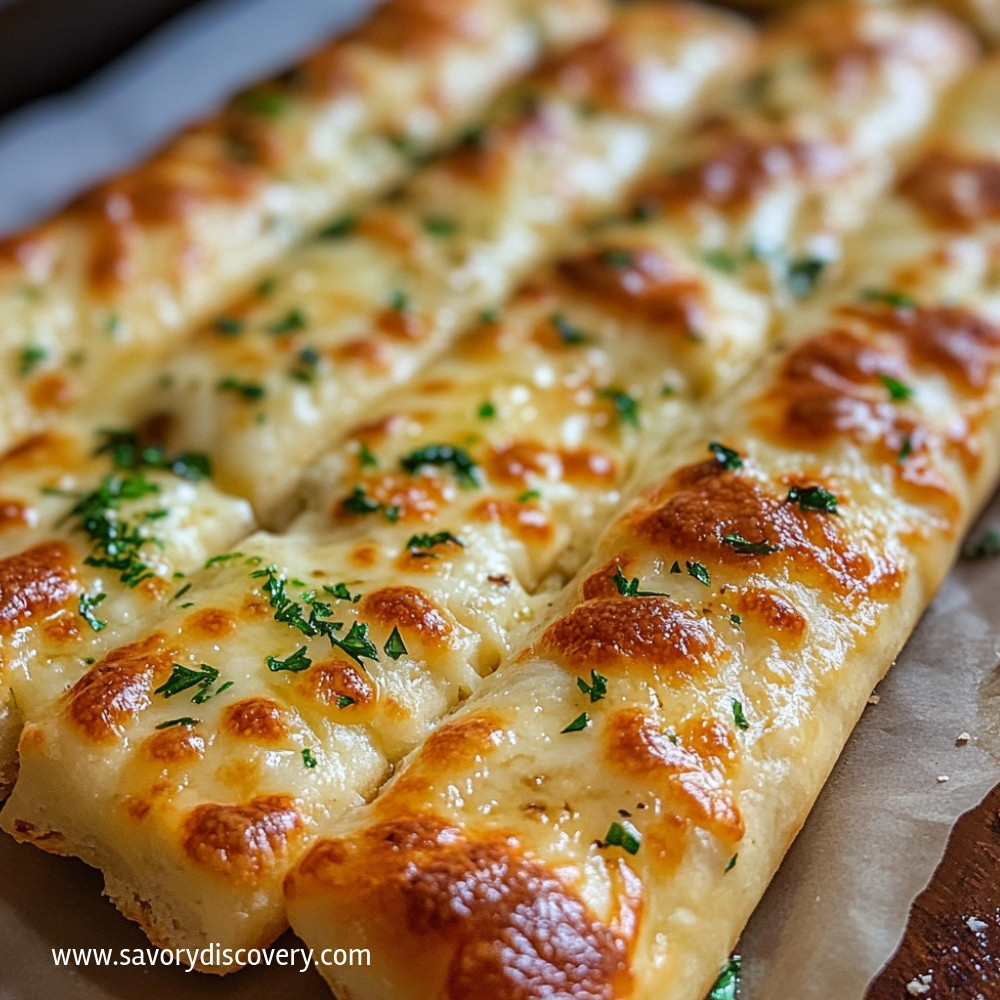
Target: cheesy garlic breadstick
point(124, 272)
point(603, 818)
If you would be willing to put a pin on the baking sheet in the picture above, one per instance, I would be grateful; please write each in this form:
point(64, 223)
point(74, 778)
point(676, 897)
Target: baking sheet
point(839, 904)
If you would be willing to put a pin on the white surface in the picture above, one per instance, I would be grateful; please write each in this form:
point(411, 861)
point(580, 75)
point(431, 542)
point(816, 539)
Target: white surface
point(840, 901)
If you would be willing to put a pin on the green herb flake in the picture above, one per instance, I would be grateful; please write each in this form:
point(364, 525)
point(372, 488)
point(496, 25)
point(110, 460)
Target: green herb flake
point(128, 454)
point(486, 411)
point(359, 502)
point(87, 605)
point(419, 545)
point(295, 663)
point(394, 647)
point(888, 297)
point(736, 619)
point(988, 544)
point(626, 406)
point(630, 588)
point(399, 301)
point(905, 450)
point(339, 228)
point(899, 392)
point(345, 701)
point(579, 723)
point(220, 559)
point(568, 333)
point(617, 257)
point(528, 495)
point(266, 286)
point(623, 835)
point(721, 260)
point(726, 457)
point(490, 315)
point(341, 592)
point(309, 758)
point(813, 498)
point(675, 567)
point(185, 720)
point(266, 103)
point(366, 459)
point(440, 226)
point(29, 358)
point(762, 548)
point(802, 276)
point(183, 679)
point(699, 572)
point(728, 982)
point(252, 392)
point(457, 459)
point(738, 716)
point(597, 689)
point(294, 319)
point(732, 863)
point(229, 326)
point(306, 363)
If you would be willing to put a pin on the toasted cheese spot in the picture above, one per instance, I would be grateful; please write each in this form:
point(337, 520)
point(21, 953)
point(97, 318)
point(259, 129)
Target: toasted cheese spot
point(951, 340)
point(953, 190)
point(773, 611)
point(52, 391)
point(210, 623)
point(628, 633)
point(366, 351)
point(242, 843)
point(407, 608)
point(257, 719)
point(61, 628)
point(527, 522)
point(514, 929)
point(517, 462)
point(417, 29)
point(327, 683)
point(176, 745)
point(114, 692)
point(410, 498)
point(375, 431)
point(401, 324)
point(694, 769)
point(16, 514)
point(451, 745)
point(646, 283)
point(692, 513)
point(364, 556)
point(741, 168)
point(255, 608)
point(45, 449)
point(35, 582)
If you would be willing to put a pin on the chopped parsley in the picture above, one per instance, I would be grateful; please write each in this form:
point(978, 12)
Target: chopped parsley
point(802, 275)
point(813, 498)
point(440, 226)
point(630, 588)
point(87, 605)
point(252, 392)
point(229, 326)
point(738, 716)
point(341, 593)
point(888, 297)
point(491, 315)
point(359, 503)
point(184, 678)
point(399, 301)
point(568, 333)
point(308, 757)
point(729, 980)
point(623, 835)
point(745, 547)
point(732, 862)
point(675, 567)
point(29, 358)
point(528, 495)
point(339, 228)
point(218, 561)
point(597, 689)
point(306, 363)
point(295, 663)
point(616, 257)
point(465, 469)
point(899, 392)
point(356, 643)
point(905, 450)
point(419, 545)
point(626, 406)
point(266, 103)
point(294, 319)
point(988, 544)
point(365, 457)
point(185, 720)
point(721, 260)
point(726, 457)
point(394, 647)
point(698, 571)
point(129, 455)
point(580, 722)
point(736, 619)
point(487, 410)
point(344, 700)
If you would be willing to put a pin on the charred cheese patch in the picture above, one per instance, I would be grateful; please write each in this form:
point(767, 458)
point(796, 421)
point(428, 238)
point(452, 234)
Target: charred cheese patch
point(35, 583)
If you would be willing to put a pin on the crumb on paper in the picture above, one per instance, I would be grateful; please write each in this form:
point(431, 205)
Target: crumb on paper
point(919, 985)
point(962, 739)
point(873, 699)
point(942, 778)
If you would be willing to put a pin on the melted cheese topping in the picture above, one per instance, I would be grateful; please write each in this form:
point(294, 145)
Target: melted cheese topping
point(127, 268)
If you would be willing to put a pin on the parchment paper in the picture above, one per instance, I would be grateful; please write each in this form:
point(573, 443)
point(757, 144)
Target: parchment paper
point(837, 907)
